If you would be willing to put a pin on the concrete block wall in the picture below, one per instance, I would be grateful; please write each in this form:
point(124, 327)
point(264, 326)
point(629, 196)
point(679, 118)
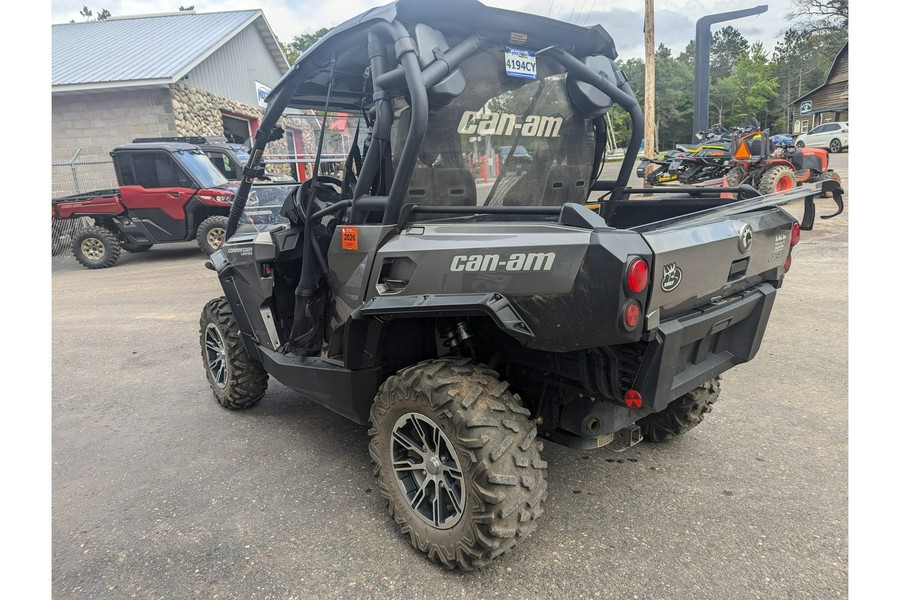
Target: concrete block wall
point(97, 122)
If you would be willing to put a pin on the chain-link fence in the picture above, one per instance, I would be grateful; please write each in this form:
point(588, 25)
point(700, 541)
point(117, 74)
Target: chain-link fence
point(70, 178)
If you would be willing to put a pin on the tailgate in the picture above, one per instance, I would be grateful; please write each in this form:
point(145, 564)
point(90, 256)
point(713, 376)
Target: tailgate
point(695, 262)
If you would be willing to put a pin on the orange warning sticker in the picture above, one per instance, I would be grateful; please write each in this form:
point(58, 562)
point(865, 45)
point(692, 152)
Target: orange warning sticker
point(349, 238)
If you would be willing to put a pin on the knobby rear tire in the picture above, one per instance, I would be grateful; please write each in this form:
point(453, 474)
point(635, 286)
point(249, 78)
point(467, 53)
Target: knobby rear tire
point(493, 437)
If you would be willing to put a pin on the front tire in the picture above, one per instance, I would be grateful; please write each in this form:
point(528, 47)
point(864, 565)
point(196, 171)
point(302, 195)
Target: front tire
point(96, 248)
point(456, 458)
point(734, 176)
point(682, 414)
point(237, 381)
point(777, 179)
point(800, 145)
point(211, 233)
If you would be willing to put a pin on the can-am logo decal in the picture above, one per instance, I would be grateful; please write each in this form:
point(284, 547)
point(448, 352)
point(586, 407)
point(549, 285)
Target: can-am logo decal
point(520, 261)
point(473, 122)
point(671, 277)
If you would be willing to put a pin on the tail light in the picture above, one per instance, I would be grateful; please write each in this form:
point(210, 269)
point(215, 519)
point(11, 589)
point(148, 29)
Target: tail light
point(636, 278)
point(795, 239)
point(631, 315)
point(845, 130)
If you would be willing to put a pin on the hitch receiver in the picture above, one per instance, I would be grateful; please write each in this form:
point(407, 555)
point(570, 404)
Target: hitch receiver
point(625, 438)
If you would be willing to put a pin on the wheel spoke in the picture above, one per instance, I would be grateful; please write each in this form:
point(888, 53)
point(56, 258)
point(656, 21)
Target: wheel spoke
point(453, 471)
point(420, 495)
point(437, 515)
point(455, 500)
point(420, 431)
point(408, 443)
point(408, 465)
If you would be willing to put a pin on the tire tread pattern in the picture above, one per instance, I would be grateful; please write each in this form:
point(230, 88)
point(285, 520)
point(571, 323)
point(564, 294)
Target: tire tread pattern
point(682, 414)
point(247, 379)
point(207, 224)
point(489, 426)
point(111, 245)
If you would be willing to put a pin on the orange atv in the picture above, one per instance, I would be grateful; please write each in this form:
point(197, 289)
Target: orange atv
point(768, 167)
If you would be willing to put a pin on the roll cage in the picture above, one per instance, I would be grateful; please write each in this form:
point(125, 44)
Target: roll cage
point(366, 63)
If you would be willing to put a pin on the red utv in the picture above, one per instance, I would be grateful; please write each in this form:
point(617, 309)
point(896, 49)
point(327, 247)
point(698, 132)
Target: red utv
point(772, 168)
point(168, 192)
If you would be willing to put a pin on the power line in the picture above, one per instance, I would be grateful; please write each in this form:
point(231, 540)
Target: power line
point(574, 4)
point(588, 13)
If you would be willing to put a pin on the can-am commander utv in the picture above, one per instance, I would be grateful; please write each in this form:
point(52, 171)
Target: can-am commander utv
point(468, 307)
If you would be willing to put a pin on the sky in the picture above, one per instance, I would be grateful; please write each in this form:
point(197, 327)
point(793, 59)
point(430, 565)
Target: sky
point(624, 19)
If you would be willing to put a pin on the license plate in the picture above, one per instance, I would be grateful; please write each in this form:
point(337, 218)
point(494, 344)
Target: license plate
point(521, 63)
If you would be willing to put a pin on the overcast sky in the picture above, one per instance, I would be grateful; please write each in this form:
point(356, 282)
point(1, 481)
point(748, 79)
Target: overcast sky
point(624, 19)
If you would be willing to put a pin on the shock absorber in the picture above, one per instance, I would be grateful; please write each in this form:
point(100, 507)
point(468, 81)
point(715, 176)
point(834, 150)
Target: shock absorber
point(455, 335)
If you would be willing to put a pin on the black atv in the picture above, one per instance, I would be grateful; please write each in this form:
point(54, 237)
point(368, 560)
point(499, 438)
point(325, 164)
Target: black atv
point(466, 322)
point(690, 164)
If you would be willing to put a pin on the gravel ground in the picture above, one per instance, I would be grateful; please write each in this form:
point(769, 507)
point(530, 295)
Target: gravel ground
point(160, 493)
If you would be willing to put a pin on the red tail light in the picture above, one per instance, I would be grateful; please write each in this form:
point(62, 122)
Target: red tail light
point(845, 130)
point(636, 279)
point(632, 315)
point(633, 399)
point(787, 264)
point(795, 234)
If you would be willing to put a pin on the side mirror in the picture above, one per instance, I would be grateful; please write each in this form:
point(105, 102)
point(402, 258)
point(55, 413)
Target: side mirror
point(277, 133)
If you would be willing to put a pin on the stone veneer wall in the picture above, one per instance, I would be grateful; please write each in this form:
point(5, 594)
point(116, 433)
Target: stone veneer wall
point(199, 113)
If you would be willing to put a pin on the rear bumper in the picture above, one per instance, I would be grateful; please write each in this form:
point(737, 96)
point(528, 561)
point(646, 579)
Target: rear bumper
point(693, 348)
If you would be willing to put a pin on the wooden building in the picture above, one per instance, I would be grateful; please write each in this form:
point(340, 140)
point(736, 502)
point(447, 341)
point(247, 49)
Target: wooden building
point(827, 103)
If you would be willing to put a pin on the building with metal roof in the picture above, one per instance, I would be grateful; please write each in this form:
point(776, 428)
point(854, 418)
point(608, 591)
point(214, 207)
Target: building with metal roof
point(164, 75)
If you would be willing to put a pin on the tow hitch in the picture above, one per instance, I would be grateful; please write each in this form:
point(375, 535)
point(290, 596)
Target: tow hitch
point(625, 438)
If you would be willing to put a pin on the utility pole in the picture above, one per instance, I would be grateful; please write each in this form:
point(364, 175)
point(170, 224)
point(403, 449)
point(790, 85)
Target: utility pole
point(649, 83)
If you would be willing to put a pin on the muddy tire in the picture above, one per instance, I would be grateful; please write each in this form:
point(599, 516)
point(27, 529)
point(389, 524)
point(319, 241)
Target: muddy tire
point(777, 179)
point(211, 234)
point(456, 458)
point(237, 381)
point(96, 248)
point(682, 414)
point(734, 176)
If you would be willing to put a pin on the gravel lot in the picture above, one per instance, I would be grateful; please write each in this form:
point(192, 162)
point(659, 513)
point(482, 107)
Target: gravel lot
point(160, 493)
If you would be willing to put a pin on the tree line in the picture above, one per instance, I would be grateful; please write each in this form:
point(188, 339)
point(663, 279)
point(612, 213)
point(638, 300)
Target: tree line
point(745, 80)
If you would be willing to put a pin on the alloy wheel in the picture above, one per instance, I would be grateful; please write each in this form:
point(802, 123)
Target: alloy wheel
point(93, 248)
point(428, 471)
point(214, 347)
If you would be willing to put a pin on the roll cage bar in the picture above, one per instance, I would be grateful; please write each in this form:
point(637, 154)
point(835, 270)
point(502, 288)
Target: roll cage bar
point(315, 71)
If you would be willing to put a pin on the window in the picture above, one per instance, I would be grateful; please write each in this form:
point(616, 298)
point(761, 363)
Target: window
point(157, 170)
point(224, 164)
point(237, 130)
point(804, 126)
point(816, 130)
